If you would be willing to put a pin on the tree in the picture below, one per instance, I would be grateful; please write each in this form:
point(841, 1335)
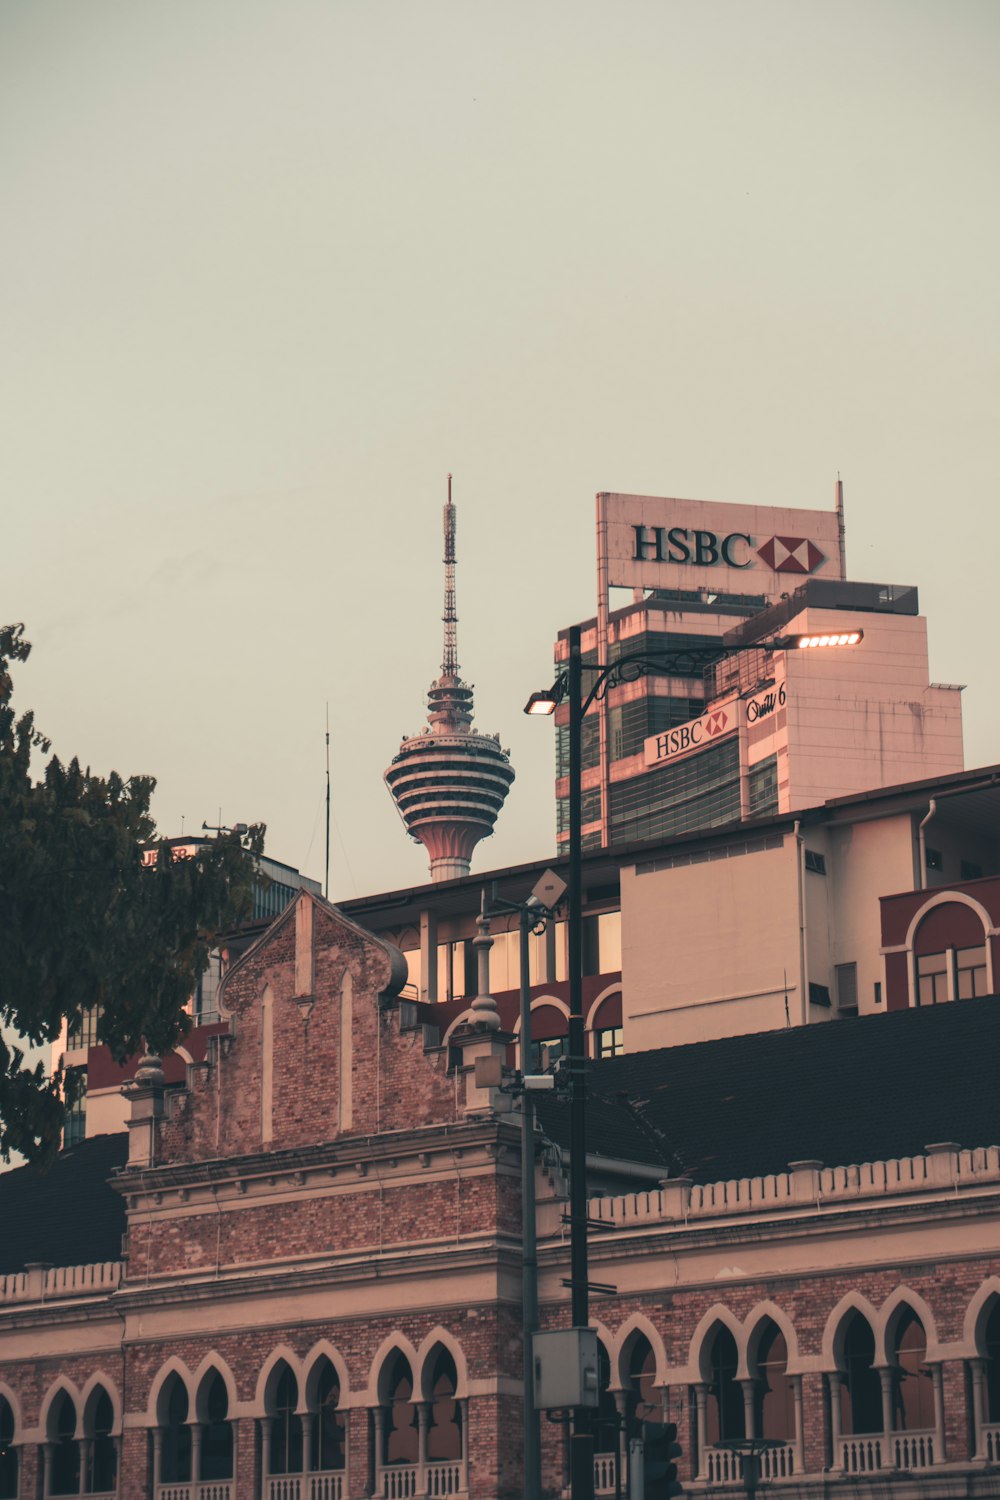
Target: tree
point(84, 923)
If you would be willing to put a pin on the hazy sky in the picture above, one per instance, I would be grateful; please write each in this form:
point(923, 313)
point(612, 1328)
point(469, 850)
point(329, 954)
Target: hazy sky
point(270, 270)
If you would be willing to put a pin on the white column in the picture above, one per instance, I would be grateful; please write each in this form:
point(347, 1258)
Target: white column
point(937, 1375)
point(307, 1426)
point(978, 1407)
point(799, 1440)
point(265, 1457)
point(379, 1416)
point(888, 1448)
point(195, 1453)
point(46, 1451)
point(833, 1391)
point(423, 1426)
point(701, 1423)
point(621, 1405)
point(748, 1388)
point(157, 1457)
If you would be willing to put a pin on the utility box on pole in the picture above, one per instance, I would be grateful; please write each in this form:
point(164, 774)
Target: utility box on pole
point(566, 1369)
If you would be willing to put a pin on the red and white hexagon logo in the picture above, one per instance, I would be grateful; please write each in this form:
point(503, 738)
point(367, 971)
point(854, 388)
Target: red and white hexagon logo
point(716, 722)
point(791, 554)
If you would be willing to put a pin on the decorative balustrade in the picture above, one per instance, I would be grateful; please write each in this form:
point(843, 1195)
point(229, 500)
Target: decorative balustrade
point(284, 1487)
point(989, 1442)
point(724, 1467)
point(200, 1489)
point(793, 1189)
point(408, 1481)
point(861, 1455)
point(399, 1482)
point(326, 1484)
point(912, 1450)
point(605, 1473)
point(444, 1478)
point(52, 1283)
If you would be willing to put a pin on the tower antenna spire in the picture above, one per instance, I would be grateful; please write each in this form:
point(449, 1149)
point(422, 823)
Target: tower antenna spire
point(449, 666)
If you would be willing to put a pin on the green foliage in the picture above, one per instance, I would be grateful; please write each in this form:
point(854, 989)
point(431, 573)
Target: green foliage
point(83, 922)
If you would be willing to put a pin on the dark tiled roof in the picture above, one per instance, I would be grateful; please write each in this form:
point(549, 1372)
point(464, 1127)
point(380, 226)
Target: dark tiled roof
point(847, 1091)
point(69, 1215)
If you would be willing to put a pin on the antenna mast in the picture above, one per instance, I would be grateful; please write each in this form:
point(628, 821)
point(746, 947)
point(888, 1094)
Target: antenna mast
point(326, 881)
point(449, 667)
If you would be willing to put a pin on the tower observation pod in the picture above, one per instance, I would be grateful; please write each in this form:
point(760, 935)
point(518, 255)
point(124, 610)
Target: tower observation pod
point(449, 782)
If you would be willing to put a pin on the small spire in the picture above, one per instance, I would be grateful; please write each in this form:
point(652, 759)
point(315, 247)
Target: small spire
point(486, 1017)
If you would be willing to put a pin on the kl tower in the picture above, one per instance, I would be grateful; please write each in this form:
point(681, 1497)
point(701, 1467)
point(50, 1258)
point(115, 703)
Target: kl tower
point(449, 782)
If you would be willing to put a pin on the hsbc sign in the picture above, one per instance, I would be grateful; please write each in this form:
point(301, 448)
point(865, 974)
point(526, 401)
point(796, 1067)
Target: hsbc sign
point(696, 734)
point(645, 542)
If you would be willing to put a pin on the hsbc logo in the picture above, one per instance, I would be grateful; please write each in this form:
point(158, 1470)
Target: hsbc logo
point(691, 736)
point(791, 554)
point(706, 549)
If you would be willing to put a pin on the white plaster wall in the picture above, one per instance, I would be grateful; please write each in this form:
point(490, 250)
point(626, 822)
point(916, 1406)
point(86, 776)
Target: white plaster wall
point(865, 717)
point(706, 948)
point(868, 860)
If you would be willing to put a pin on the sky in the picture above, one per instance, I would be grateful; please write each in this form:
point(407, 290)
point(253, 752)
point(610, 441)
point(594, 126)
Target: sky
point(269, 271)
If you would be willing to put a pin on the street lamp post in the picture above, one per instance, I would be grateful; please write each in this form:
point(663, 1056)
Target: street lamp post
point(569, 686)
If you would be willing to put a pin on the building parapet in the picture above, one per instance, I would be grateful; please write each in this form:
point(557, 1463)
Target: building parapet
point(41, 1283)
point(809, 1183)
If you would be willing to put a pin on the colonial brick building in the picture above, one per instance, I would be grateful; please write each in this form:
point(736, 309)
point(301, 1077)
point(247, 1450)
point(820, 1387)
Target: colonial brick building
point(317, 1292)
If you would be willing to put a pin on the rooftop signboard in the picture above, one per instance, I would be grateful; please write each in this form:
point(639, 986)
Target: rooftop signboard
point(653, 543)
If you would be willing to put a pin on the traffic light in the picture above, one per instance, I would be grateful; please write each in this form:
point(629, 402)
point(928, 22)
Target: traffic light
point(659, 1451)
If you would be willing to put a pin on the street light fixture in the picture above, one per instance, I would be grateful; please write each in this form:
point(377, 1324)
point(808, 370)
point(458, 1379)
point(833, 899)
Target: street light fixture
point(568, 686)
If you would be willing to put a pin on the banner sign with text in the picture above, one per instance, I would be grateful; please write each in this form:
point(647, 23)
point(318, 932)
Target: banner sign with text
point(654, 543)
point(696, 734)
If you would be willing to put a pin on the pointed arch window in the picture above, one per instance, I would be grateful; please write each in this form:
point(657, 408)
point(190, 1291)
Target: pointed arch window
point(399, 1430)
point(286, 1426)
point(101, 1453)
point(912, 1386)
point(8, 1453)
point(326, 1439)
point(175, 1435)
point(860, 1388)
point(64, 1475)
point(444, 1432)
point(991, 1341)
point(725, 1412)
point(774, 1402)
point(606, 1422)
point(216, 1459)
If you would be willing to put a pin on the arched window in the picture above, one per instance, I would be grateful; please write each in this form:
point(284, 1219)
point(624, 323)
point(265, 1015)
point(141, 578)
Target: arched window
point(175, 1434)
point(949, 954)
point(606, 1419)
point(286, 1425)
point(774, 1405)
point(725, 1412)
point(8, 1453)
point(399, 1426)
point(861, 1389)
point(606, 1026)
point(992, 1342)
point(548, 1037)
point(444, 1434)
point(102, 1457)
point(642, 1402)
point(326, 1441)
point(912, 1387)
point(216, 1429)
point(64, 1476)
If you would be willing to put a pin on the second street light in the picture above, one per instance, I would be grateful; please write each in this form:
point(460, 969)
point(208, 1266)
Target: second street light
point(568, 688)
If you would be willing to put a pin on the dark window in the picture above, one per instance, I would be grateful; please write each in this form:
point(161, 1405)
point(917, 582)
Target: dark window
point(725, 1413)
point(763, 787)
point(847, 986)
point(912, 1389)
point(8, 1453)
point(175, 1440)
point(286, 1426)
point(65, 1472)
point(216, 1433)
point(878, 992)
point(641, 1401)
point(932, 978)
point(702, 791)
point(819, 994)
point(773, 1398)
point(444, 1435)
point(102, 1458)
point(815, 862)
point(610, 1042)
point(861, 1388)
point(83, 1032)
point(933, 859)
point(606, 1418)
point(75, 1129)
point(327, 1441)
point(992, 1342)
point(970, 972)
point(970, 871)
point(399, 1421)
